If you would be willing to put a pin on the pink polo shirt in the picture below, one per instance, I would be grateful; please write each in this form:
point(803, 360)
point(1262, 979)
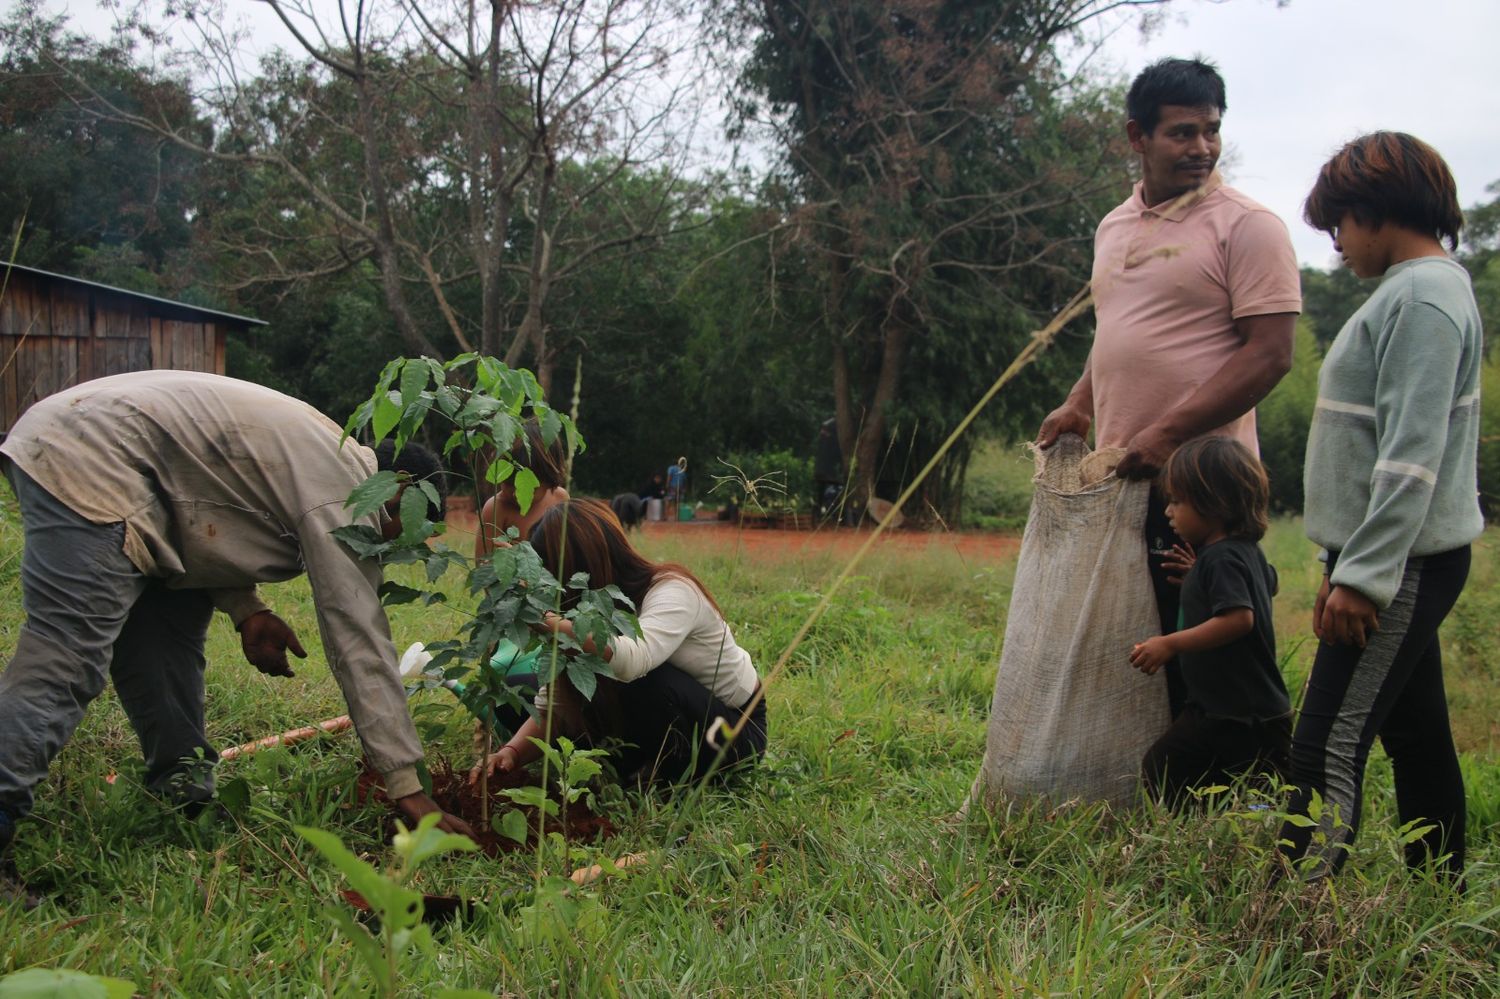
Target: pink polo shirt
point(1168, 285)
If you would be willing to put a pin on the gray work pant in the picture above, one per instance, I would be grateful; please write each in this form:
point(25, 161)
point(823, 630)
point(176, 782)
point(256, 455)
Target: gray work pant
point(91, 613)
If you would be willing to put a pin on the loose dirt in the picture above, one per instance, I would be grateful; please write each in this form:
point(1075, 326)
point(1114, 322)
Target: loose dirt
point(451, 790)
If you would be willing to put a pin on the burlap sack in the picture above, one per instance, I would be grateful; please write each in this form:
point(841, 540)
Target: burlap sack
point(1070, 718)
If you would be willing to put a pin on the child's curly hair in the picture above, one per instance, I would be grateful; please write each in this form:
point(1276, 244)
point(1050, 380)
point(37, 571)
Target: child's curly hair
point(1223, 481)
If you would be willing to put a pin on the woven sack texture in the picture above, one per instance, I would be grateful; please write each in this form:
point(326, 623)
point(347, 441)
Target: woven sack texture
point(1070, 718)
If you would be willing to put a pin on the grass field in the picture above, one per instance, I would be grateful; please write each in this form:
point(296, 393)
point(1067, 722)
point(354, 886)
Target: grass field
point(835, 870)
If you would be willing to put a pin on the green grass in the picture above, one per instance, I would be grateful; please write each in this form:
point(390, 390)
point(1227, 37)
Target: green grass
point(836, 870)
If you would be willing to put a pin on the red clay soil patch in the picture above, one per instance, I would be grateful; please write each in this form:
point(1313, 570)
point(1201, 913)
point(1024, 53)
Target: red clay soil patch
point(453, 794)
point(771, 544)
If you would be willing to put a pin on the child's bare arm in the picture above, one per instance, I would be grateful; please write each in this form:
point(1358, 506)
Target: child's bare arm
point(1219, 630)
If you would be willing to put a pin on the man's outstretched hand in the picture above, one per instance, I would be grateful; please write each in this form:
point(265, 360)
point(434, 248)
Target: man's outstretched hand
point(414, 806)
point(266, 639)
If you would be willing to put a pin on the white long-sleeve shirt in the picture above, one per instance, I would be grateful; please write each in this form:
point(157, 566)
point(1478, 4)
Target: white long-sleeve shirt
point(680, 626)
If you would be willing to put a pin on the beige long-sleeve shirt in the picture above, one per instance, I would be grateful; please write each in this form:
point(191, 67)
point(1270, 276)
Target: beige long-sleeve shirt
point(222, 484)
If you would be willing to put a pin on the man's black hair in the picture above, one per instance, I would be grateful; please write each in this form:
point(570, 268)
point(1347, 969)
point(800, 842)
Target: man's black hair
point(418, 462)
point(1189, 83)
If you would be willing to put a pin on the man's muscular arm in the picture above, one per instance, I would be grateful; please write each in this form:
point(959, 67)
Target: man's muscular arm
point(1263, 358)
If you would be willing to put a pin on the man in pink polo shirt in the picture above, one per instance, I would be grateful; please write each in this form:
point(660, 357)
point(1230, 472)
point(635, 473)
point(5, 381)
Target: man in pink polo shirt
point(1196, 294)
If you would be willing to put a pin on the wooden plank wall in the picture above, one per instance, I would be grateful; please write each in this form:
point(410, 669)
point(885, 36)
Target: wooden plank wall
point(54, 335)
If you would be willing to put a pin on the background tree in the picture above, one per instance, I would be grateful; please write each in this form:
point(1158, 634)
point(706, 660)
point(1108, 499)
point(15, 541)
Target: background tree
point(99, 199)
point(464, 149)
point(943, 182)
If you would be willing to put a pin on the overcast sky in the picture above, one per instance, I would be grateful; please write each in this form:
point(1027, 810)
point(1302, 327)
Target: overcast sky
point(1305, 78)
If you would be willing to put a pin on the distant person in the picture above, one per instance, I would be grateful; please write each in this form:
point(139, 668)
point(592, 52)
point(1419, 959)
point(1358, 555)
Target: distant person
point(676, 482)
point(1391, 484)
point(1196, 295)
point(652, 488)
point(828, 471)
point(669, 685)
point(151, 499)
point(549, 463)
point(1237, 718)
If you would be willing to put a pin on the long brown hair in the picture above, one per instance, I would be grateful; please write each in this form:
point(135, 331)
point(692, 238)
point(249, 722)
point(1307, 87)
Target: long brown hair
point(584, 535)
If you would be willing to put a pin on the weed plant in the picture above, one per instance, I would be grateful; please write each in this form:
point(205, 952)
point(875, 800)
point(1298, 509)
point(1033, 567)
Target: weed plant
point(835, 869)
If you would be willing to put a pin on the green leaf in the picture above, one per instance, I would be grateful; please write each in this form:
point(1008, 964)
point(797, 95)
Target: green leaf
point(366, 946)
point(1300, 821)
point(387, 415)
point(379, 892)
point(511, 824)
point(392, 594)
point(234, 795)
point(549, 424)
point(373, 493)
point(426, 840)
point(498, 471)
point(526, 486)
point(415, 527)
point(63, 983)
point(362, 540)
point(413, 381)
point(582, 769)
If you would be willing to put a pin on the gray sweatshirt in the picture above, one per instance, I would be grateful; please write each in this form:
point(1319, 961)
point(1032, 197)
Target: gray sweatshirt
point(1391, 466)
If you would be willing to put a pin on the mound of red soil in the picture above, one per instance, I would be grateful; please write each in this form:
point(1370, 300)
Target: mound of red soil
point(452, 792)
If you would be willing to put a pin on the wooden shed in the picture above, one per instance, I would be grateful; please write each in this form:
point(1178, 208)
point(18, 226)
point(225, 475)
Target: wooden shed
point(57, 331)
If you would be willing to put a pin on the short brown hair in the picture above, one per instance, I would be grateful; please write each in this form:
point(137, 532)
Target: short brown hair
point(1223, 481)
point(1387, 177)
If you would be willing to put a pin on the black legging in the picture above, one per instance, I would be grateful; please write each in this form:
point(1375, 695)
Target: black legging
point(659, 722)
point(1392, 688)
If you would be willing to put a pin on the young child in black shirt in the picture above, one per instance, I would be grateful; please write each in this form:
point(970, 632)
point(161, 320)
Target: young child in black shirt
point(1237, 720)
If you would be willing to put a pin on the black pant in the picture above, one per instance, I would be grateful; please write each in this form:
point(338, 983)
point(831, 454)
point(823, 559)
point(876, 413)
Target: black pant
point(1200, 751)
point(1392, 688)
point(661, 721)
point(1160, 539)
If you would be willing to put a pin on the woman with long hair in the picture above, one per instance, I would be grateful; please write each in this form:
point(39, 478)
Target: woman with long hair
point(1392, 499)
point(668, 686)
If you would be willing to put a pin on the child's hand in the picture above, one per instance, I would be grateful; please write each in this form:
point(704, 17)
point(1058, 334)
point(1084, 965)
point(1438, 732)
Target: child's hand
point(1179, 563)
point(1152, 654)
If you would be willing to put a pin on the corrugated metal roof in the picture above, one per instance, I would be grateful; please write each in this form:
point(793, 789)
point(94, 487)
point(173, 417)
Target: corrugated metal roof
point(180, 306)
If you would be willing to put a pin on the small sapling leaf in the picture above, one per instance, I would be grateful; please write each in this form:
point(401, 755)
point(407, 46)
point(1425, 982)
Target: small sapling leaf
point(373, 493)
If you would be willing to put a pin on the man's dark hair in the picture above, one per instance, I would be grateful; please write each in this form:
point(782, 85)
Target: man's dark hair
point(419, 463)
point(1189, 83)
point(1387, 177)
point(1222, 480)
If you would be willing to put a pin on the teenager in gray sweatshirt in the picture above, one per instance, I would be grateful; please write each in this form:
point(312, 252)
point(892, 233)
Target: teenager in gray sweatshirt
point(1392, 498)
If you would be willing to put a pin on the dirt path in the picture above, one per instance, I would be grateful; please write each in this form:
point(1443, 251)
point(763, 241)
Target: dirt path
point(762, 543)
